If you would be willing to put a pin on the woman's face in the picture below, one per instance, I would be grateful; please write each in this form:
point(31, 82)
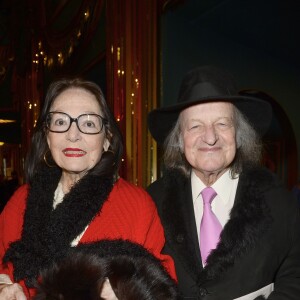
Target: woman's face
point(209, 137)
point(76, 152)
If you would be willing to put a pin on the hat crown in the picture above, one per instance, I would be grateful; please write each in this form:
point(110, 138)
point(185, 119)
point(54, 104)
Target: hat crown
point(206, 82)
point(209, 84)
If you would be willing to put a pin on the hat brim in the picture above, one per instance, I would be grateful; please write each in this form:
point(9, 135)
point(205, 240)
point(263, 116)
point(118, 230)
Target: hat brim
point(258, 112)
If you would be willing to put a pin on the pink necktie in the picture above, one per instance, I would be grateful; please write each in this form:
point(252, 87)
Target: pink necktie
point(210, 227)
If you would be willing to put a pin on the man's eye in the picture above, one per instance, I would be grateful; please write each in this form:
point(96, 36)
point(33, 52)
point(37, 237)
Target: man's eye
point(196, 127)
point(224, 125)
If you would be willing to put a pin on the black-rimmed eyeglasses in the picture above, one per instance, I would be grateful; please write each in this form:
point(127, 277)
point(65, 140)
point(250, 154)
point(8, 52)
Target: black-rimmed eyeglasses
point(86, 123)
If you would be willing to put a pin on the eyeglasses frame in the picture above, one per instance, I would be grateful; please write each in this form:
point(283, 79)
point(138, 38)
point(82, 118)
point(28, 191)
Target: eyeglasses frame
point(104, 122)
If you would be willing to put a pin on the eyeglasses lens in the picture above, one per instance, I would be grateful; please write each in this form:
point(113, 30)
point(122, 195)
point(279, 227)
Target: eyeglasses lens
point(86, 123)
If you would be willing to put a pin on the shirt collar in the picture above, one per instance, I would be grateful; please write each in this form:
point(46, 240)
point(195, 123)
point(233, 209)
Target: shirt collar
point(222, 186)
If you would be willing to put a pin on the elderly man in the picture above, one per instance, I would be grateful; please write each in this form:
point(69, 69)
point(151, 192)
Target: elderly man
point(231, 227)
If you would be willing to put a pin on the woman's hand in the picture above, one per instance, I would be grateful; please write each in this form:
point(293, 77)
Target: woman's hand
point(11, 291)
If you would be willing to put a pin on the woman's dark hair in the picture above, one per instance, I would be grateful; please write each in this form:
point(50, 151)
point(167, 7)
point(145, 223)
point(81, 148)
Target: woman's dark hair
point(78, 277)
point(133, 272)
point(110, 160)
point(134, 278)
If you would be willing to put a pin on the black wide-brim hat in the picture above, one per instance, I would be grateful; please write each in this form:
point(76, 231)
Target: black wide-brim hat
point(209, 84)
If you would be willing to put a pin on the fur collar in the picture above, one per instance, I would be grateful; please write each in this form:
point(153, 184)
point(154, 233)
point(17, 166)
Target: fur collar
point(249, 218)
point(47, 233)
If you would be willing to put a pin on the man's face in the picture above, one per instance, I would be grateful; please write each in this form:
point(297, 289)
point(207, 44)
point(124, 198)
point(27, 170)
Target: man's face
point(208, 133)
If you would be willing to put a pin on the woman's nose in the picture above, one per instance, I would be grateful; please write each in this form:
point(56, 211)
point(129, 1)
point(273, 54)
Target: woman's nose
point(73, 134)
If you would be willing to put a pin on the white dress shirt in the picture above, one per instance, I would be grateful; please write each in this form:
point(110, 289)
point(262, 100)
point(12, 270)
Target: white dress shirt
point(225, 188)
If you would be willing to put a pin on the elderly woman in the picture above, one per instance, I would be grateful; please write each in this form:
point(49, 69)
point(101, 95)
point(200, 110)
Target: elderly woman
point(231, 227)
point(73, 193)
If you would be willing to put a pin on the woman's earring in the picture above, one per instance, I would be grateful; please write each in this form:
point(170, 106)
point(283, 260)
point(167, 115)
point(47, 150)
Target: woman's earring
point(45, 160)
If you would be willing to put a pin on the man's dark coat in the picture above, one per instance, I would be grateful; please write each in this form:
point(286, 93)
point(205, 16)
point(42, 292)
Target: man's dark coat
point(259, 245)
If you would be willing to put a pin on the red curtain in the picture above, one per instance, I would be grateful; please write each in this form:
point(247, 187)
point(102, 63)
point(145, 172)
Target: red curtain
point(132, 81)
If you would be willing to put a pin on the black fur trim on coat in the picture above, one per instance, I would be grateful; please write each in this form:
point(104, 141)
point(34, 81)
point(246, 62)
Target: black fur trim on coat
point(116, 247)
point(249, 219)
point(47, 233)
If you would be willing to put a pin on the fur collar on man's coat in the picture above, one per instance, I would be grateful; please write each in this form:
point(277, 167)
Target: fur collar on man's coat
point(249, 218)
point(47, 233)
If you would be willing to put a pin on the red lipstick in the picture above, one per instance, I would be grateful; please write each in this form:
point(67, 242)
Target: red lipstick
point(73, 152)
